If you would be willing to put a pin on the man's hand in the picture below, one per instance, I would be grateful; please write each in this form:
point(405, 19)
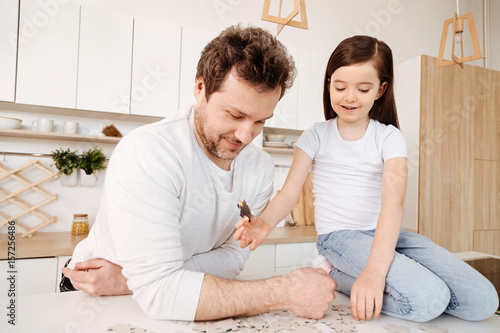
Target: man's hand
point(98, 277)
point(367, 294)
point(310, 292)
point(251, 233)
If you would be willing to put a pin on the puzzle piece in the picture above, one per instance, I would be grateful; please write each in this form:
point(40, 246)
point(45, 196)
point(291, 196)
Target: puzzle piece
point(433, 329)
point(282, 313)
point(306, 329)
point(391, 328)
point(343, 327)
point(226, 324)
point(343, 309)
point(127, 328)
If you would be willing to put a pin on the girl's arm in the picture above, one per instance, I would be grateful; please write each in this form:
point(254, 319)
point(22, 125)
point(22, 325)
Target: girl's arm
point(367, 290)
point(281, 205)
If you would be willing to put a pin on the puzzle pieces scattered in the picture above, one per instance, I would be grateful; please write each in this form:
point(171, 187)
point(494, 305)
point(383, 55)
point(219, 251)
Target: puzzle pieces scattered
point(338, 318)
point(433, 329)
point(127, 328)
point(397, 329)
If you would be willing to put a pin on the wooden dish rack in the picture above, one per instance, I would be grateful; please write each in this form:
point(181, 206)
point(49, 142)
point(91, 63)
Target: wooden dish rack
point(27, 208)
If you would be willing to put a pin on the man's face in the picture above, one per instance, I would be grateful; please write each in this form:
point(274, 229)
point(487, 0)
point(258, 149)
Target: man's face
point(231, 118)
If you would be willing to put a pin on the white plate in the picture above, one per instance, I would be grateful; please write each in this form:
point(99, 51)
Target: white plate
point(10, 123)
point(275, 144)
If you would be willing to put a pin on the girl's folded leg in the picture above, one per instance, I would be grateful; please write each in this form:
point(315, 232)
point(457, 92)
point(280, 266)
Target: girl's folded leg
point(473, 297)
point(412, 292)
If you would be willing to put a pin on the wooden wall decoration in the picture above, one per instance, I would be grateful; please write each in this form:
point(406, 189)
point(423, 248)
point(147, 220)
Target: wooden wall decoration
point(26, 207)
point(299, 6)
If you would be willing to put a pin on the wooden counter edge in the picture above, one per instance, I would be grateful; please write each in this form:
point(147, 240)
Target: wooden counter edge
point(55, 244)
point(41, 244)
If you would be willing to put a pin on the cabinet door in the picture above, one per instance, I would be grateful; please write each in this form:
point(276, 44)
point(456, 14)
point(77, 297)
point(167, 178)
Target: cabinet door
point(105, 60)
point(294, 255)
point(193, 42)
point(8, 48)
point(33, 276)
point(285, 114)
point(155, 69)
point(260, 264)
point(311, 73)
point(48, 53)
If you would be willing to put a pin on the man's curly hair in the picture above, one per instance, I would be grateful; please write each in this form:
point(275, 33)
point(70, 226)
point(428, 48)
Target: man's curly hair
point(257, 57)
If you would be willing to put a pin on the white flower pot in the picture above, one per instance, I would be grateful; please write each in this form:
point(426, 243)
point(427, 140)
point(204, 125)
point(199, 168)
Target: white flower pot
point(87, 180)
point(70, 180)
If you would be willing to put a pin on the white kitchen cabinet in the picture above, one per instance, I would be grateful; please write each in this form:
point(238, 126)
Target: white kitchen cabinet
point(285, 113)
point(193, 42)
point(260, 263)
point(48, 53)
point(277, 259)
point(33, 276)
point(8, 48)
point(105, 60)
point(310, 78)
point(294, 255)
point(155, 69)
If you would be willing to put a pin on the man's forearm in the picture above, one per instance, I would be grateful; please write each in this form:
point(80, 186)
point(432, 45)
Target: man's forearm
point(221, 298)
point(307, 292)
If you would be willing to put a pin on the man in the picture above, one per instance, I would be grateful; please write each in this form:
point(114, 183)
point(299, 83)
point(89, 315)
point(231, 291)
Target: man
point(171, 192)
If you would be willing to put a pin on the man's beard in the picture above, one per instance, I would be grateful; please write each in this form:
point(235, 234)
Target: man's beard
point(213, 145)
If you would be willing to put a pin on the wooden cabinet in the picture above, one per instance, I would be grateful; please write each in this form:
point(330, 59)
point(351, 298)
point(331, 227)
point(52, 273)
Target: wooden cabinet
point(105, 60)
point(155, 68)
point(48, 53)
point(8, 48)
point(453, 158)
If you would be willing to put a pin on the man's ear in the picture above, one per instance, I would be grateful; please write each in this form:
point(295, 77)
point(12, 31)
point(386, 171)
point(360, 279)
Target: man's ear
point(199, 88)
point(381, 90)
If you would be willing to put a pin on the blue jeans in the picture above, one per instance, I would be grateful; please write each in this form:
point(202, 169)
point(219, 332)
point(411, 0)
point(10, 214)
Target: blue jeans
point(423, 281)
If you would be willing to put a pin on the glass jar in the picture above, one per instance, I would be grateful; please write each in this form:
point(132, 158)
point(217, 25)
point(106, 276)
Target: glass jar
point(80, 224)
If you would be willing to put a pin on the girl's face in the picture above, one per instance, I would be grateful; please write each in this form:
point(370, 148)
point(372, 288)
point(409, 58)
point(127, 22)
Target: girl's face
point(353, 90)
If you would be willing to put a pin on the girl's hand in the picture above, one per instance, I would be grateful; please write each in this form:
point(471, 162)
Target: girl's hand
point(367, 294)
point(251, 233)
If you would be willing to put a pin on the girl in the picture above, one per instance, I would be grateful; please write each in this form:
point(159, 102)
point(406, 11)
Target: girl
point(358, 161)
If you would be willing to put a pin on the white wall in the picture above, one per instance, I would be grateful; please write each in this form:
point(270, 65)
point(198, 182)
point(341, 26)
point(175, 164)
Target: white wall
point(410, 27)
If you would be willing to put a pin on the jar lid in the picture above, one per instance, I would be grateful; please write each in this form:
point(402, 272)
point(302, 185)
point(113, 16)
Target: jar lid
point(80, 215)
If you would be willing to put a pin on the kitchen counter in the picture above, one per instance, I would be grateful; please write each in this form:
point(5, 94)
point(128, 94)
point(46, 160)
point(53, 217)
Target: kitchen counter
point(80, 312)
point(54, 244)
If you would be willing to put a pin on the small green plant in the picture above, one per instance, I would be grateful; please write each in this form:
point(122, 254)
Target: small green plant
point(66, 161)
point(93, 160)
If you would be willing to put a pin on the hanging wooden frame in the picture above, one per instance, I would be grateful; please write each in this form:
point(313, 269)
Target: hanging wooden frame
point(457, 25)
point(299, 7)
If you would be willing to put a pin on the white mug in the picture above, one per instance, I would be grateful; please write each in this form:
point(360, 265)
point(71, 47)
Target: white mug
point(43, 124)
point(70, 127)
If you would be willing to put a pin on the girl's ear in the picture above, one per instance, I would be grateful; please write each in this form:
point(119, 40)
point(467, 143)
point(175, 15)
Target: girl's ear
point(381, 90)
point(328, 85)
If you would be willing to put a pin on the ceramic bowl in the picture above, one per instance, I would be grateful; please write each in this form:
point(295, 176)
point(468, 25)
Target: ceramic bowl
point(275, 138)
point(10, 123)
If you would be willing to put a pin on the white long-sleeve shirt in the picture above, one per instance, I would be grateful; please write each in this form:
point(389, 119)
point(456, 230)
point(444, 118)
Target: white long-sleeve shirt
point(166, 218)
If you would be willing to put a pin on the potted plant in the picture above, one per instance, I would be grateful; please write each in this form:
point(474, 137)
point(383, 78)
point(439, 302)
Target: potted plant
point(66, 161)
point(91, 162)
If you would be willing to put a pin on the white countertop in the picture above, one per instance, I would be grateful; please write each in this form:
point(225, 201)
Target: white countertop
point(80, 312)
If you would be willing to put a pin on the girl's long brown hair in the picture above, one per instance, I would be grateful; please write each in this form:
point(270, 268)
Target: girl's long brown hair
point(356, 50)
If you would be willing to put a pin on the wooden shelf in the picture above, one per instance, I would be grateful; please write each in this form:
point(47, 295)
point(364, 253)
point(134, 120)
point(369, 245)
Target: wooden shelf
point(57, 136)
point(289, 151)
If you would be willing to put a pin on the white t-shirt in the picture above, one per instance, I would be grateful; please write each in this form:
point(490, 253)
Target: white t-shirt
point(166, 217)
point(347, 175)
